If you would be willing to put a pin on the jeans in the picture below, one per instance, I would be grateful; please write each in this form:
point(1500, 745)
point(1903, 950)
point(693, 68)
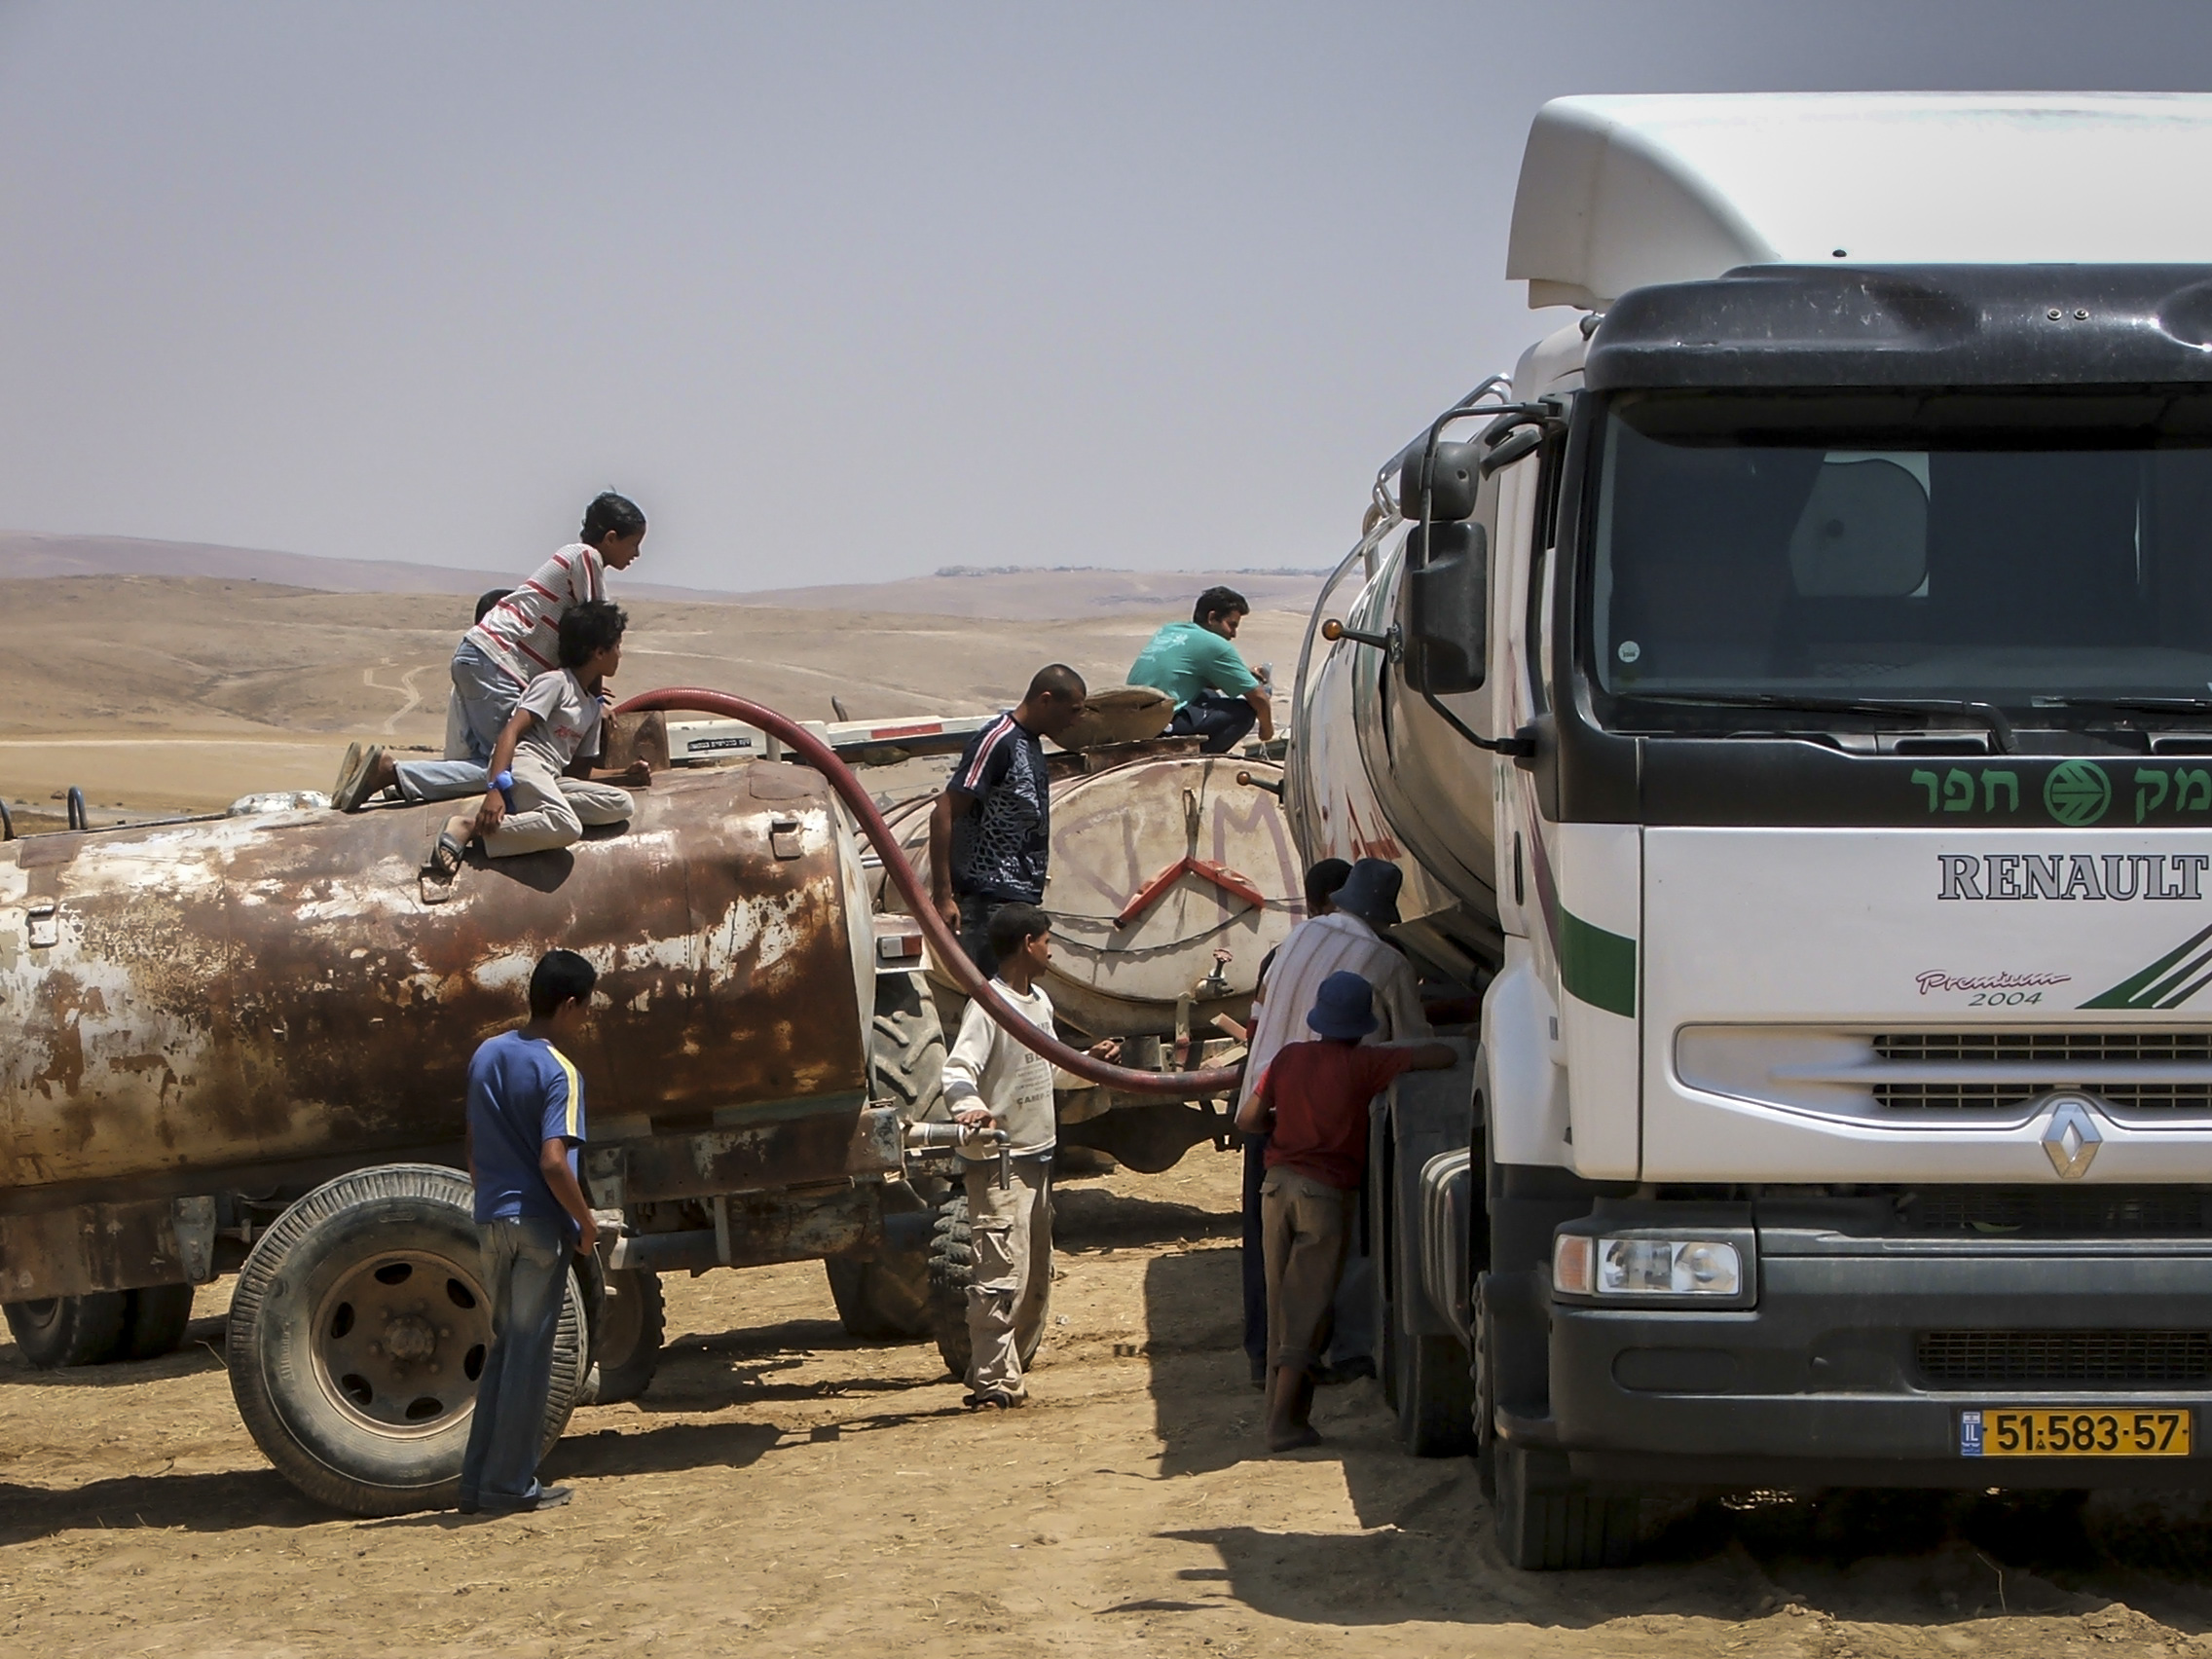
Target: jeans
point(1354, 1330)
point(1221, 719)
point(975, 912)
point(525, 1271)
point(488, 694)
point(441, 780)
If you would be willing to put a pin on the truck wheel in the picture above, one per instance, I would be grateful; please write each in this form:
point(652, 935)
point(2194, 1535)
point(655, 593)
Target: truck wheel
point(154, 1322)
point(1436, 1397)
point(1549, 1522)
point(357, 1331)
point(627, 1336)
point(60, 1331)
point(952, 1268)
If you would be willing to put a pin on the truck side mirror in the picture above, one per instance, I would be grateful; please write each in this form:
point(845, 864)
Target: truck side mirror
point(1444, 607)
point(1452, 479)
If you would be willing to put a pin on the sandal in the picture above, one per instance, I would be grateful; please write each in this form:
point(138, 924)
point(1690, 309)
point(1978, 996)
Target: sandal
point(445, 862)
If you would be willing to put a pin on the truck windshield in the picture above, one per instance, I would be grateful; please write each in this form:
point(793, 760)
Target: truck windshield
point(2033, 550)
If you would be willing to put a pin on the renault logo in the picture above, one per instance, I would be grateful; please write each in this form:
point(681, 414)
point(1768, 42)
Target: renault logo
point(2071, 1138)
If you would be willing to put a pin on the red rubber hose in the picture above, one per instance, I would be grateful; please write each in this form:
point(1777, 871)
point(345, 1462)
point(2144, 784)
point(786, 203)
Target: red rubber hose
point(1179, 1086)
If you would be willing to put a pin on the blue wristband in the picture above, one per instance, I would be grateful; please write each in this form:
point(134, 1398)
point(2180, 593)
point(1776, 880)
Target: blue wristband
point(503, 782)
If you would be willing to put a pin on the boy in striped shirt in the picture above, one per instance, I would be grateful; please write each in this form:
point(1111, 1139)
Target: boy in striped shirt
point(513, 643)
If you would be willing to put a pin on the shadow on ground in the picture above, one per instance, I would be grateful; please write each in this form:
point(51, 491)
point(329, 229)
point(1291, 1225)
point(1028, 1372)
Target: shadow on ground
point(201, 1350)
point(1424, 1548)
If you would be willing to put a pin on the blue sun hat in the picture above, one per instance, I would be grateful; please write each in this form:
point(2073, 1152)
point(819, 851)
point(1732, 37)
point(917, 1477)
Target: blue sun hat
point(1344, 1009)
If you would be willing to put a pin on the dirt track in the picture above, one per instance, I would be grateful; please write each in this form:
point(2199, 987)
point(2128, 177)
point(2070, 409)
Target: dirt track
point(782, 1489)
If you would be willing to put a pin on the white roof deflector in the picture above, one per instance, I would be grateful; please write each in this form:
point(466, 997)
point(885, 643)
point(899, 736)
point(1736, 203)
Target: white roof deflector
point(1620, 192)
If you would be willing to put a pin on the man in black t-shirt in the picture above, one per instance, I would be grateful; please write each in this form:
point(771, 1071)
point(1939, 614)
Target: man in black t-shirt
point(990, 831)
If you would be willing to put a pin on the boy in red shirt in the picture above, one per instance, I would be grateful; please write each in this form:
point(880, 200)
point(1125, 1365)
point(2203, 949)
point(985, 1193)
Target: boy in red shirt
point(1313, 1104)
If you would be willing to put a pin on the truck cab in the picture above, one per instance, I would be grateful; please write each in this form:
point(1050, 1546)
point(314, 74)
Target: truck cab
point(1792, 694)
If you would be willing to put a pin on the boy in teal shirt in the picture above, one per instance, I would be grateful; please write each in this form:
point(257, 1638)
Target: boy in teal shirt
point(1216, 696)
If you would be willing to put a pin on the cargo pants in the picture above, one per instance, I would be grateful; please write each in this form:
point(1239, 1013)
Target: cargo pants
point(1011, 1231)
point(545, 812)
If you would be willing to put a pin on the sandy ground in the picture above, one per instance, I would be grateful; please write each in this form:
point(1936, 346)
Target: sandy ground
point(157, 694)
point(782, 1489)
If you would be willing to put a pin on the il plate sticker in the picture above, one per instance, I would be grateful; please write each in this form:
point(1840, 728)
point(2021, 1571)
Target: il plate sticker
point(1970, 1434)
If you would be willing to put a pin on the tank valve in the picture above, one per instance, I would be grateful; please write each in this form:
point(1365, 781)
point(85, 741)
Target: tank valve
point(1273, 787)
point(952, 1137)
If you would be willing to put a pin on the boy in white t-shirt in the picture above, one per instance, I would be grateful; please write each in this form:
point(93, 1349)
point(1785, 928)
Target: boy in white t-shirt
point(992, 1081)
point(542, 792)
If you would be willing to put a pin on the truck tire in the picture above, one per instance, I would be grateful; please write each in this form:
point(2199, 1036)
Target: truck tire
point(60, 1331)
point(883, 1299)
point(627, 1335)
point(154, 1321)
point(952, 1268)
point(379, 1258)
point(1436, 1397)
point(1549, 1521)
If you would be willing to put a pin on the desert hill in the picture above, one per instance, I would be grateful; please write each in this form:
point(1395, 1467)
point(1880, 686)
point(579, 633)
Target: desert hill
point(1025, 593)
point(164, 693)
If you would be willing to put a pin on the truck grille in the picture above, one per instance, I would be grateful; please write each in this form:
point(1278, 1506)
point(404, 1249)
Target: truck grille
point(2093, 1212)
point(2035, 1359)
point(2098, 1061)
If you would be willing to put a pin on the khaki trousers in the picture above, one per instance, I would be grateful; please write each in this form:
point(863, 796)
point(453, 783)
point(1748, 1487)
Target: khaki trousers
point(1305, 1230)
point(550, 811)
point(1011, 1231)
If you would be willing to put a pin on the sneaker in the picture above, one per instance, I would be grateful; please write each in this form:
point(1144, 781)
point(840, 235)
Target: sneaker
point(996, 1399)
point(545, 1498)
point(353, 774)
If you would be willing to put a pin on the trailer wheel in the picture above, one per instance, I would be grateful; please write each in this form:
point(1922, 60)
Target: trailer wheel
point(59, 1331)
point(357, 1331)
point(952, 1268)
point(882, 1298)
point(154, 1321)
point(627, 1336)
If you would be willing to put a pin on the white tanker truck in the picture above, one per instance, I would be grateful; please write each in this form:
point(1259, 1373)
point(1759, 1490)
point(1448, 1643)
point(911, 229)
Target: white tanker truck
point(1788, 695)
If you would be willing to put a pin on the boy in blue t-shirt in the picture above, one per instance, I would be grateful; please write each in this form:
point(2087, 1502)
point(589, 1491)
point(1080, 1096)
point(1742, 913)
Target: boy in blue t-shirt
point(526, 1120)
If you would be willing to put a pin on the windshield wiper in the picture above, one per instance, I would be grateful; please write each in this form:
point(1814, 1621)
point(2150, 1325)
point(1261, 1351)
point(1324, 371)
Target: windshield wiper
point(2130, 705)
point(1989, 714)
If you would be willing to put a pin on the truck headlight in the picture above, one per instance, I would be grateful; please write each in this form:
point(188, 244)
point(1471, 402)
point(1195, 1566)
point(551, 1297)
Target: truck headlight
point(1646, 1267)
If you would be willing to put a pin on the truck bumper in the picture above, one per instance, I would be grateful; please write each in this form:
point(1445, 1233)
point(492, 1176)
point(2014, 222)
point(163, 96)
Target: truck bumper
point(1854, 1366)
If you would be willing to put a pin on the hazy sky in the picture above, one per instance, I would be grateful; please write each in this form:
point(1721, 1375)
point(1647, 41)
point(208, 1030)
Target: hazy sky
point(837, 291)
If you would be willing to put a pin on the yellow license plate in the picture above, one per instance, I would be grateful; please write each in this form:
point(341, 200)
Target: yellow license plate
point(2152, 1432)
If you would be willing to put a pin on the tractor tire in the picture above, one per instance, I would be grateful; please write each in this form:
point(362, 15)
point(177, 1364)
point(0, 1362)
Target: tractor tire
point(885, 1298)
point(952, 1268)
point(378, 1259)
point(907, 1047)
point(61, 1331)
point(627, 1333)
point(154, 1322)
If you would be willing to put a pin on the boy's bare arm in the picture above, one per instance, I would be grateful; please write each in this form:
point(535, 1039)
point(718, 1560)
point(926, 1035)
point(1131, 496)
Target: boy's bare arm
point(553, 1164)
point(1430, 1057)
point(495, 807)
point(1257, 1112)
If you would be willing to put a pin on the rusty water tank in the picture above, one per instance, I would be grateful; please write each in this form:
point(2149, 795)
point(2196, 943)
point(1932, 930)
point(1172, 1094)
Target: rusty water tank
point(1116, 831)
point(273, 992)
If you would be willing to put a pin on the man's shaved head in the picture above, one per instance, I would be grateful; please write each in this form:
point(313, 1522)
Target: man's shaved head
point(1059, 682)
